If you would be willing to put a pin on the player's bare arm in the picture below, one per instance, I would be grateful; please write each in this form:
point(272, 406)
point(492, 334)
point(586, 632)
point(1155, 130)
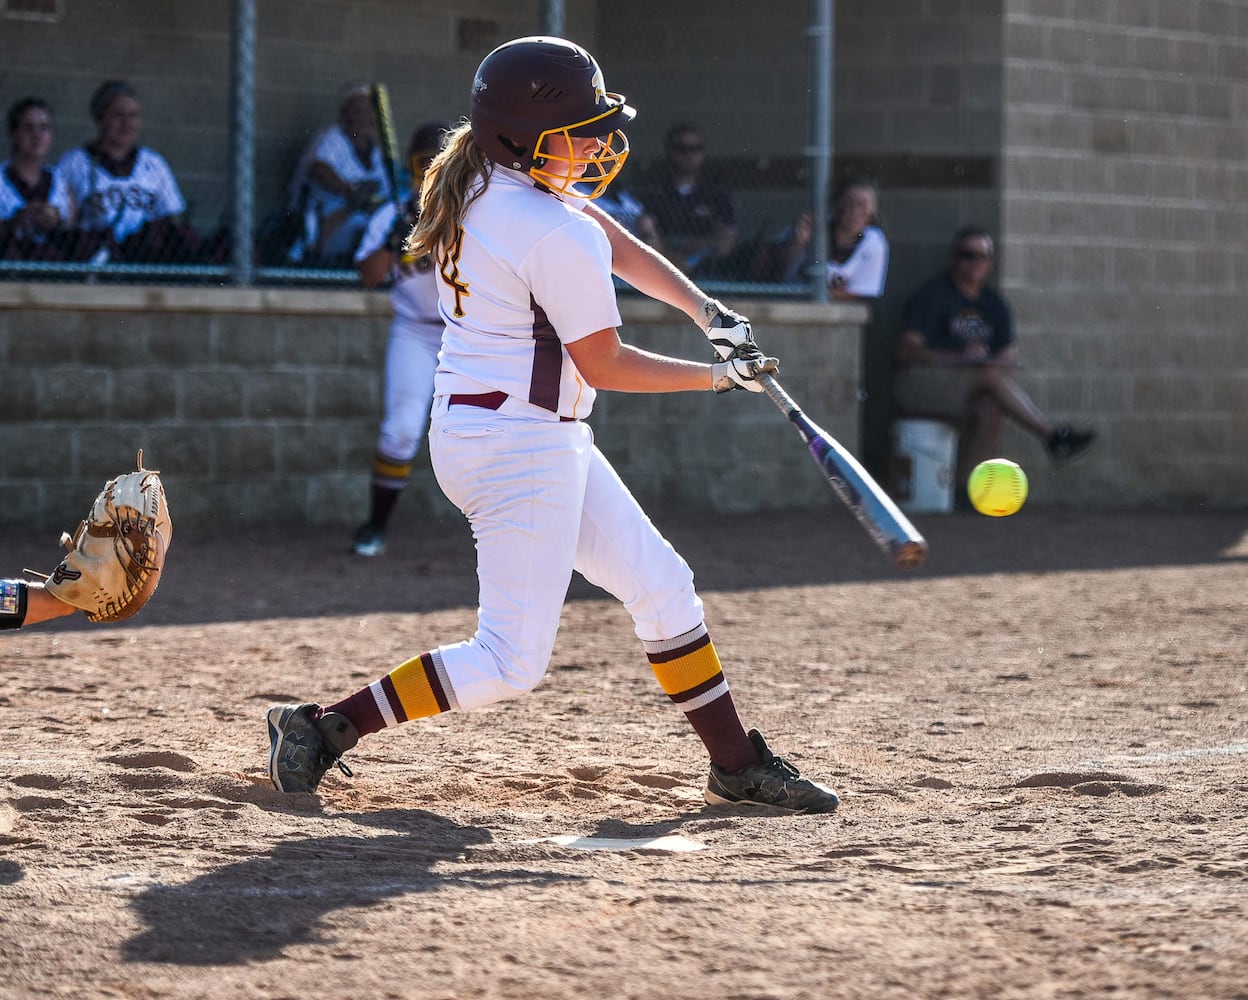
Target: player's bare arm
point(912, 349)
point(375, 268)
point(650, 272)
point(647, 270)
point(607, 363)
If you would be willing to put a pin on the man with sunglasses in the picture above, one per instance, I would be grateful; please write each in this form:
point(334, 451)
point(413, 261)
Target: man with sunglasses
point(956, 356)
point(694, 218)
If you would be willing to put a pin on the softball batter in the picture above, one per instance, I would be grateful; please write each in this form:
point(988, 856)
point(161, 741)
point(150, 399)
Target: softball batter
point(525, 263)
point(415, 336)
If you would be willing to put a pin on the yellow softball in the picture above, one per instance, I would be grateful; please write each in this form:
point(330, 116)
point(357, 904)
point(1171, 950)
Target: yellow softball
point(997, 487)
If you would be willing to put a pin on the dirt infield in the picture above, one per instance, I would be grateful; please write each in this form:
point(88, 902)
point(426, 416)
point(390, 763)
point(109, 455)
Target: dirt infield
point(1041, 739)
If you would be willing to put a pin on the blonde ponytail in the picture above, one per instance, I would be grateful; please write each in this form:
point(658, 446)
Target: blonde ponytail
point(444, 194)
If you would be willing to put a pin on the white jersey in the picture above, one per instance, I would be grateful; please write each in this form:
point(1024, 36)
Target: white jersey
point(530, 275)
point(122, 204)
point(414, 293)
point(865, 269)
point(333, 147)
point(13, 201)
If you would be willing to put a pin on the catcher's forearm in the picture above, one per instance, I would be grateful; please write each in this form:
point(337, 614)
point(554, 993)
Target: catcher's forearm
point(23, 603)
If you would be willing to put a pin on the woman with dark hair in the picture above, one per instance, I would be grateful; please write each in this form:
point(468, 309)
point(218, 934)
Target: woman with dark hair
point(35, 202)
point(130, 205)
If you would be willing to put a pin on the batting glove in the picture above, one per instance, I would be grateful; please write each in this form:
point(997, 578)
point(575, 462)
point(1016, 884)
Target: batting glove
point(741, 370)
point(726, 330)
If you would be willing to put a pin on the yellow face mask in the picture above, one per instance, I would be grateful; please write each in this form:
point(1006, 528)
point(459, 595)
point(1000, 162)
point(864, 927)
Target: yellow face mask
point(560, 169)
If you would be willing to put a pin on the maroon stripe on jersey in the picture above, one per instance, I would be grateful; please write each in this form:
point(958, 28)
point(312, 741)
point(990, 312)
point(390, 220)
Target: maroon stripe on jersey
point(667, 655)
point(547, 361)
point(701, 689)
point(392, 696)
point(435, 682)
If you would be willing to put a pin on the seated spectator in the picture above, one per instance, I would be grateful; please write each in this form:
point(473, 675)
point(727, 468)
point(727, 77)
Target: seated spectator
point(35, 203)
point(857, 263)
point(339, 182)
point(695, 218)
point(129, 204)
point(956, 358)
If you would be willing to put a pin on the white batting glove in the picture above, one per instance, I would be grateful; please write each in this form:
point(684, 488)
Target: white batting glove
point(741, 371)
point(726, 330)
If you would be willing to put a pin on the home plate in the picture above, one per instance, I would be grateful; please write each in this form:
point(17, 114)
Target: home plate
point(675, 843)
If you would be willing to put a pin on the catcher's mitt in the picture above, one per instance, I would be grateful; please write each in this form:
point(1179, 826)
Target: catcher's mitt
point(116, 555)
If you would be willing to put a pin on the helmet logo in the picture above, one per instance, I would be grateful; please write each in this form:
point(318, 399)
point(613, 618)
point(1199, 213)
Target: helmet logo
point(600, 88)
point(479, 85)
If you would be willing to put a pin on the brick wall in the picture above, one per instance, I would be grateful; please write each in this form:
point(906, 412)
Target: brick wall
point(263, 404)
point(1125, 237)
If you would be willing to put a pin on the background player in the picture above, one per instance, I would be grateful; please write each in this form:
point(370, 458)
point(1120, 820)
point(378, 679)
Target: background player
point(528, 299)
point(415, 336)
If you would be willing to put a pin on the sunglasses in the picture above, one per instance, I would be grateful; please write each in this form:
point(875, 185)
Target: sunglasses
point(686, 147)
point(973, 255)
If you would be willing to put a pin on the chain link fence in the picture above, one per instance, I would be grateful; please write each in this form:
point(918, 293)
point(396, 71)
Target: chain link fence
point(204, 157)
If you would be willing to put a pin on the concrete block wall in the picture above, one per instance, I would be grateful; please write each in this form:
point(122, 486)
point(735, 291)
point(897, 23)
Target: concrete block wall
point(918, 108)
point(1125, 239)
point(263, 405)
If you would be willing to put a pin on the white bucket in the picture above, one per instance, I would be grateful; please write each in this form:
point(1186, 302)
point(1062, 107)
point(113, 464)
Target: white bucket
point(924, 459)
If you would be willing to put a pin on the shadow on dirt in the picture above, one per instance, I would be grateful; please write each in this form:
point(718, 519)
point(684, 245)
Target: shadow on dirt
point(255, 909)
point(307, 571)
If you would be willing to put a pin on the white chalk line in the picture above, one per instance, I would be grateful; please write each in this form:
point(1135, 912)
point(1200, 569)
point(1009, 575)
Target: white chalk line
point(1226, 750)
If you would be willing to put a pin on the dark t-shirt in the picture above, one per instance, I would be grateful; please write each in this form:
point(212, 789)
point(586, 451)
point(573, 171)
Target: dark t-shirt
point(691, 216)
point(949, 321)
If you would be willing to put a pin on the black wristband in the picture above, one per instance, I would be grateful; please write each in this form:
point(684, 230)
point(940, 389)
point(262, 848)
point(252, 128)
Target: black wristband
point(12, 603)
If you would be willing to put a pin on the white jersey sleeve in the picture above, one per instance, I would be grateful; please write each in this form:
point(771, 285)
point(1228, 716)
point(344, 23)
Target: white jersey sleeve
point(414, 291)
point(865, 270)
point(375, 233)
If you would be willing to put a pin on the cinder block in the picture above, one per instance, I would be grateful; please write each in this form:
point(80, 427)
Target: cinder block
point(182, 452)
point(181, 341)
point(347, 393)
point(273, 395)
point(246, 451)
point(214, 394)
point(143, 393)
point(19, 398)
point(75, 394)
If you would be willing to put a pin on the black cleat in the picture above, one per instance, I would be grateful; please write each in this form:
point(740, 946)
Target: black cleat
point(1066, 443)
point(302, 747)
point(773, 781)
point(369, 540)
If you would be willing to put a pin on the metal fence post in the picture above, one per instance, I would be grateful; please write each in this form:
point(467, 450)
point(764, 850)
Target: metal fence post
point(552, 18)
point(822, 65)
point(243, 142)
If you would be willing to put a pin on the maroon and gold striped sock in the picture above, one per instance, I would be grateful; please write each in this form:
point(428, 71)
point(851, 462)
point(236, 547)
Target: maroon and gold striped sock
point(688, 669)
point(412, 690)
